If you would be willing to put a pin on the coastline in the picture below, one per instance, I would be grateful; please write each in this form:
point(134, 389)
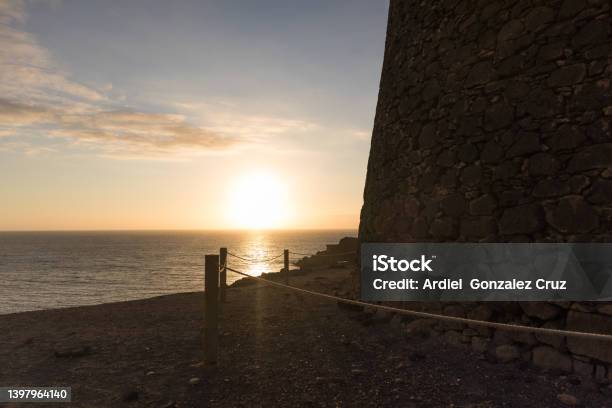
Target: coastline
point(277, 348)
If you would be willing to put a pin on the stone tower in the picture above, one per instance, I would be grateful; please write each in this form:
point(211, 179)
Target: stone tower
point(493, 125)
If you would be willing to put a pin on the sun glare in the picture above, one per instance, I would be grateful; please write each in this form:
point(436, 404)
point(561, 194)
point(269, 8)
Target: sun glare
point(258, 201)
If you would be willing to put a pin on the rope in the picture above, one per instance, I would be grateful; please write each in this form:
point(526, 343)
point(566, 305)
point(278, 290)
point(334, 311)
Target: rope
point(339, 254)
point(253, 260)
point(496, 325)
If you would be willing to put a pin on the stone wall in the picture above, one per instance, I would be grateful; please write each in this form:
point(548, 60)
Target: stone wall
point(493, 125)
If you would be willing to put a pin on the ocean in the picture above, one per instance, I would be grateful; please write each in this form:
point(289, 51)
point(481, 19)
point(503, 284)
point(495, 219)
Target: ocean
point(45, 270)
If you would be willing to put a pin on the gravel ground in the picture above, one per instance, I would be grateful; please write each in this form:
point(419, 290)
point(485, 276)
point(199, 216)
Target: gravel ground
point(277, 349)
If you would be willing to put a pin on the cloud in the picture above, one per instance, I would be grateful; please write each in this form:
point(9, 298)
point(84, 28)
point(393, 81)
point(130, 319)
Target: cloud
point(159, 132)
point(12, 11)
point(17, 114)
point(27, 70)
point(228, 119)
point(113, 130)
point(36, 93)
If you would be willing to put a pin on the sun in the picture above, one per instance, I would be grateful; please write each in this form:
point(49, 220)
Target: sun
point(258, 201)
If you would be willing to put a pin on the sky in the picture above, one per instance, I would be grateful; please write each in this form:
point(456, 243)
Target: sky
point(186, 114)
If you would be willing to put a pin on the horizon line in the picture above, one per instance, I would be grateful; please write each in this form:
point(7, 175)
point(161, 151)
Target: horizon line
point(185, 230)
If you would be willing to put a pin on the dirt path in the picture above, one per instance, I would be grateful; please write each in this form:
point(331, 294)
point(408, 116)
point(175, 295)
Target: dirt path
point(277, 349)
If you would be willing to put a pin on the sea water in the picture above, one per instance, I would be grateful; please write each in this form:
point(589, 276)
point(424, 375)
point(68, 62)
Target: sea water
point(44, 270)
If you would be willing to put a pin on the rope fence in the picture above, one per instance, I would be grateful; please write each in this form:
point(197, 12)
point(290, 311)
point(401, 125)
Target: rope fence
point(253, 260)
point(212, 296)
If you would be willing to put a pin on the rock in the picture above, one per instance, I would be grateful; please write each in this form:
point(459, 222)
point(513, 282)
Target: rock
point(570, 8)
point(453, 205)
point(428, 137)
point(600, 192)
point(566, 138)
point(492, 152)
point(558, 342)
point(130, 395)
point(481, 73)
point(590, 322)
point(481, 312)
point(578, 183)
point(73, 352)
point(583, 368)
point(523, 338)
point(194, 380)
point(471, 175)
point(526, 143)
point(507, 353)
point(443, 227)
point(567, 75)
point(541, 310)
point(594, 32)
point(572, 215)
point(480, 344)
point(591, 157)
point(498, 116)
point(502, 337)
point(551, 51)
point(600, 373)
point(446, 158)
point(549, 358)
point(506, 170)
point(538, 18)
point(483, 205)
point(453, 337)
point(543, 164)
point(478, 227)
point(431, 90)
point(568, 399)
point(524, 219)
point(467, 153)
point(605, 309)
point(543, 103)
point(421, 327)
point(551, 188)
point(512, 29)
point(455, 311)
point(415, 356)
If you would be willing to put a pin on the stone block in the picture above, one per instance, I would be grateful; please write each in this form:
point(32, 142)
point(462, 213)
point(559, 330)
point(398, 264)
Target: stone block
point(556, 341)
point(543, 164)
point(480, 344)
point(600, 192)
point(572, 215)
point(594, 32)
point(567, 75)
point(526, 143)
point(524, 219)
point(507, 353)
point(549, 358)
point(453, 205)
point(590, 322)
point(483, 205)
point(583, 368)
point(540, 310)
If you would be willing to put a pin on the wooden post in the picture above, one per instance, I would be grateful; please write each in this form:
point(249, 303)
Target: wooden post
point(211, 311)
point(286, 253)
point(223, 274)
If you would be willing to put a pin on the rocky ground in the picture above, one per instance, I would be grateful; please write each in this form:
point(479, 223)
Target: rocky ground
point(277, 348)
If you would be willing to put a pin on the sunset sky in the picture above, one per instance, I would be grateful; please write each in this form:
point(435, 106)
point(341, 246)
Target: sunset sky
point(186, 114)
